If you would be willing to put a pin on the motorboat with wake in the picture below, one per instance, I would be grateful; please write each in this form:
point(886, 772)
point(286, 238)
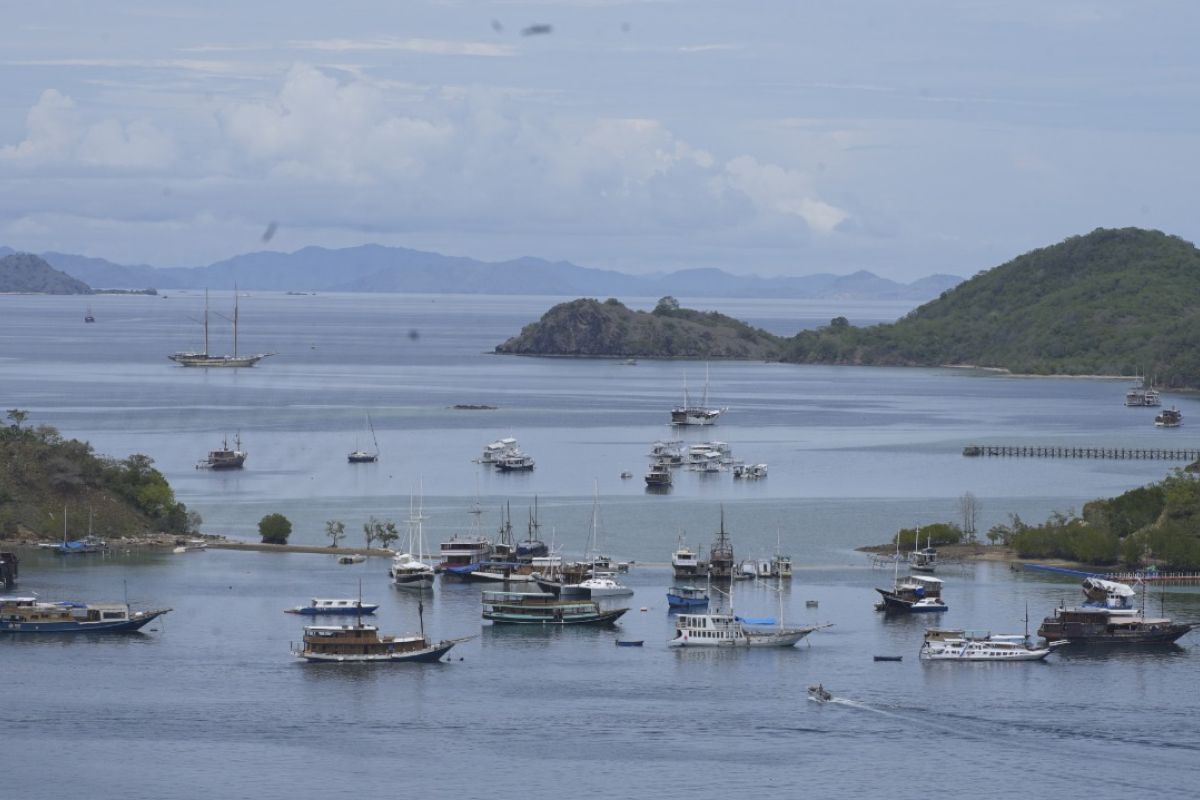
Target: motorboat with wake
point(819, 694)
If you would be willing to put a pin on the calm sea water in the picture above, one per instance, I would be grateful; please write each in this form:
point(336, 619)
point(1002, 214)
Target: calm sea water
point(210, 704)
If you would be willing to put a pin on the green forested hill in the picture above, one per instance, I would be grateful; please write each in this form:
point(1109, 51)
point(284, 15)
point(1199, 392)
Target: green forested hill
point(1112, 302)
point(25, 273)
point(590, 328)
point(41, 474)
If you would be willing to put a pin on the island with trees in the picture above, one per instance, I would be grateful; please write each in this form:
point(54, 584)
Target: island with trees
point(1112, 302)
point(44, 478)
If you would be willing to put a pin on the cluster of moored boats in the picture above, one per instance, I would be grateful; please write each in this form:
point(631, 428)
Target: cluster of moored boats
point(704, 457)
point(1107, 616)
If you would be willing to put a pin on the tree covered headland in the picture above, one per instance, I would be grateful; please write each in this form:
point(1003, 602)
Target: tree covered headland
point(1157, 524)
point(41, 474)
point(1113, 302)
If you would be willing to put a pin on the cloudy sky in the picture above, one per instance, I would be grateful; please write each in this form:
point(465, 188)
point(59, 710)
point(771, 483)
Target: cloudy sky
point(766, 136)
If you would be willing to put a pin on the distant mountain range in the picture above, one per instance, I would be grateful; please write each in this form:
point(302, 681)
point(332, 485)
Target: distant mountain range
point(375, 268)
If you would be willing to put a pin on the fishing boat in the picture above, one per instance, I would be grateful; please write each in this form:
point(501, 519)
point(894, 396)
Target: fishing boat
point(334, 605)
point(359, 643)
point(206, 359)
point(1109, 617)
point(690, 414)
point(88, 316)
point(543, 608)
point(1169, 418)
point(225, 457)
point(686, 564)
point(360, 456)
point(30, 615)
point(687, 597)
point(964, 645)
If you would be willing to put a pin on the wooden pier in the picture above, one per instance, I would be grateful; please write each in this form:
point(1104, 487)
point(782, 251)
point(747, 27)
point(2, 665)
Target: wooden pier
point(1063, 451)
point(1126, 576)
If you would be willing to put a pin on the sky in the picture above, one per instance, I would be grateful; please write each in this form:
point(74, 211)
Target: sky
point(774, 137)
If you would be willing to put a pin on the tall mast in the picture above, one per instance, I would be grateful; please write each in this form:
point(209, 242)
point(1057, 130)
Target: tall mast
point(235, 319)
point(206, 322)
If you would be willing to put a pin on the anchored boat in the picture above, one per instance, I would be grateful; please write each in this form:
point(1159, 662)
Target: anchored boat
point(543, 608)
point(30, 615)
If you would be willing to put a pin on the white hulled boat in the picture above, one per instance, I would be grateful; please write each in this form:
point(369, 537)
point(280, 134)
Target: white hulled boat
point(962, 645)
point(205, 359)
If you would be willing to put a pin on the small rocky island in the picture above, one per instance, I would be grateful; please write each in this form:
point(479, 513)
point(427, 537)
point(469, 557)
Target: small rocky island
point(590, 328)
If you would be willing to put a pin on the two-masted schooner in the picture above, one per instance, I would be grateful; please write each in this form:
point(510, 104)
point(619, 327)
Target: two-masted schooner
point(206, 359)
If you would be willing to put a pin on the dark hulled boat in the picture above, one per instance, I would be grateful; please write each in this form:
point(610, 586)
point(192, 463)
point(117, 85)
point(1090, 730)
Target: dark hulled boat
point(1108, 616)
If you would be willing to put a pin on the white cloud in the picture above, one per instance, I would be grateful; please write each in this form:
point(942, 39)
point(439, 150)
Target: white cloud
point(55, 136)
point(783, 191)
point(439, 47)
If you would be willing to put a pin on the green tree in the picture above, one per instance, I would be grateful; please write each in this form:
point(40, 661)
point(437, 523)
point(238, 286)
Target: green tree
point(371, 530)
point(17, 416)
point(275, 529)
point(387, 534)
point(335, 529)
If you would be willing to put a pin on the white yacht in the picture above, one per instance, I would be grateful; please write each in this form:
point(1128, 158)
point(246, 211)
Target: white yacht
point(604, 584)
point(515, 461)
point(962, 645)
point(728, 630)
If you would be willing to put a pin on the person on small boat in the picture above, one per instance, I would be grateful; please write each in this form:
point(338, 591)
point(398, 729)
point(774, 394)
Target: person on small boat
point(819, 694)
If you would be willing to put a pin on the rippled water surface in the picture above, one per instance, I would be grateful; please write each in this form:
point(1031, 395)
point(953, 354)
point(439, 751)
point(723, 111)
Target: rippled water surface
point(210, 704)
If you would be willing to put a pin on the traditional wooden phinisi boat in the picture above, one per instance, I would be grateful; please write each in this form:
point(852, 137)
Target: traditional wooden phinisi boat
point(1108, 617)
point(30, 615)
point(543, 608)
point(359, 643)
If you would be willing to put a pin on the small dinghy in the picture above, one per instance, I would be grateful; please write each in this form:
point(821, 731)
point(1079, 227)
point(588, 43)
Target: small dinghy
point(630, 642)
point(819, 694)
point(889, 658)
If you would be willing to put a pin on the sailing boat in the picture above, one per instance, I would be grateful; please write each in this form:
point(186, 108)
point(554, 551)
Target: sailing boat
point(409, 571)
point(88, 544)
point(600, 583)
point(360, 456)
point(204, 359)
point(688, 414)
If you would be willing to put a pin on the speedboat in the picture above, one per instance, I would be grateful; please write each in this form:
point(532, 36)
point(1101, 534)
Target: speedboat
point(334, 605)
point(819, 694)
point(604, 585)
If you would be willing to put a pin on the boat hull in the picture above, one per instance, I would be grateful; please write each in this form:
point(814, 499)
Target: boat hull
point(1088, 635)
point(205, 360)
point(422, 581)
point(428, 654)
point(751, 639)
point(601, 618)
point(135, 622)
point(895, 603)
point(311, 611)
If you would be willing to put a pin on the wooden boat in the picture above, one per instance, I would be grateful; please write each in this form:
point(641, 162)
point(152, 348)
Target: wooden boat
point(729, 630)
point(543, 608)
point(1169, 418)
point(1108, 617)
point(206, 359)
point(30, 615)
point(225, 458)
point(363, 644)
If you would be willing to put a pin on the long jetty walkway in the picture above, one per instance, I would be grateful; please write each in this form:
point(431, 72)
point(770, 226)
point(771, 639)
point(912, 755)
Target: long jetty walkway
point(1062, 451)
point(1128, 576)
